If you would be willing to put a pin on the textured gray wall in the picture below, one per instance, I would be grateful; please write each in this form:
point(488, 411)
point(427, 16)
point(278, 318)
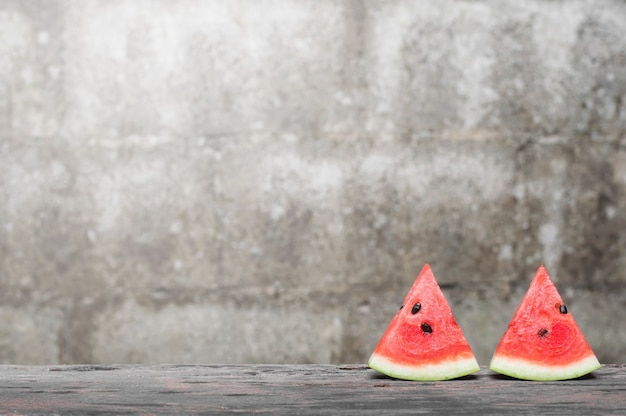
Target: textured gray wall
point(261, 181)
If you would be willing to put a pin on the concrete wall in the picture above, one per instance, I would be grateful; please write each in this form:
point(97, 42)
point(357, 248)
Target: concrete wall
point(261, 181)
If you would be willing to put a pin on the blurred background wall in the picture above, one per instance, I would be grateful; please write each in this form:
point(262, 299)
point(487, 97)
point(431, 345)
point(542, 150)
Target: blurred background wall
point(261, 181)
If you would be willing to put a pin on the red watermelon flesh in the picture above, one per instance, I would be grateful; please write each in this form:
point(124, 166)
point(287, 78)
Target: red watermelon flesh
point(423, 341)
point(542, 341)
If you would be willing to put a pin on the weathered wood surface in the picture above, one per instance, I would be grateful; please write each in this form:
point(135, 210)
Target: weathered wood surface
point(295, 389)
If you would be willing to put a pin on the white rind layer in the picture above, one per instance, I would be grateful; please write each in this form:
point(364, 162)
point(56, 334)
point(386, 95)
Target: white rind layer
point(425, 372)
point(526, 370)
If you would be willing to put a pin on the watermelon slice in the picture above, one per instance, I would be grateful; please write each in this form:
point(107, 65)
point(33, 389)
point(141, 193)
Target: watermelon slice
point(543, 342)
point(423, 341)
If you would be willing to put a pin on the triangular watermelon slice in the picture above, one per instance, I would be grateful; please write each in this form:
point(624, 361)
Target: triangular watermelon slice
point(423, 341)
point(543, 342)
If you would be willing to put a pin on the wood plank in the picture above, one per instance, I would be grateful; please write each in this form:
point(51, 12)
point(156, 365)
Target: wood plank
point(295, 389)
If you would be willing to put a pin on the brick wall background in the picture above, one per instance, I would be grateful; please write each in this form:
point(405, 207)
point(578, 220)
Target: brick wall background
point(261, 181)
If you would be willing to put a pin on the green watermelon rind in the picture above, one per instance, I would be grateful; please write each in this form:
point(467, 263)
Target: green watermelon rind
point(526, 370)
point(425, 372)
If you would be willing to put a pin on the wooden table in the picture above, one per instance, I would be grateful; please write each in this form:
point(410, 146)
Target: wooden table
point(295, 389)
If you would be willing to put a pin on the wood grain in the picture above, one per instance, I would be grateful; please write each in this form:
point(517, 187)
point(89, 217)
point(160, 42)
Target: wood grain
point(295, 389)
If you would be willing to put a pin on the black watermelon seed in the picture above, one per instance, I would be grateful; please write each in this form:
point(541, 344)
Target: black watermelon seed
point(543, 332)
point(402, 306)
point(563, 309)
point(416, 308)
point(427, 328)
